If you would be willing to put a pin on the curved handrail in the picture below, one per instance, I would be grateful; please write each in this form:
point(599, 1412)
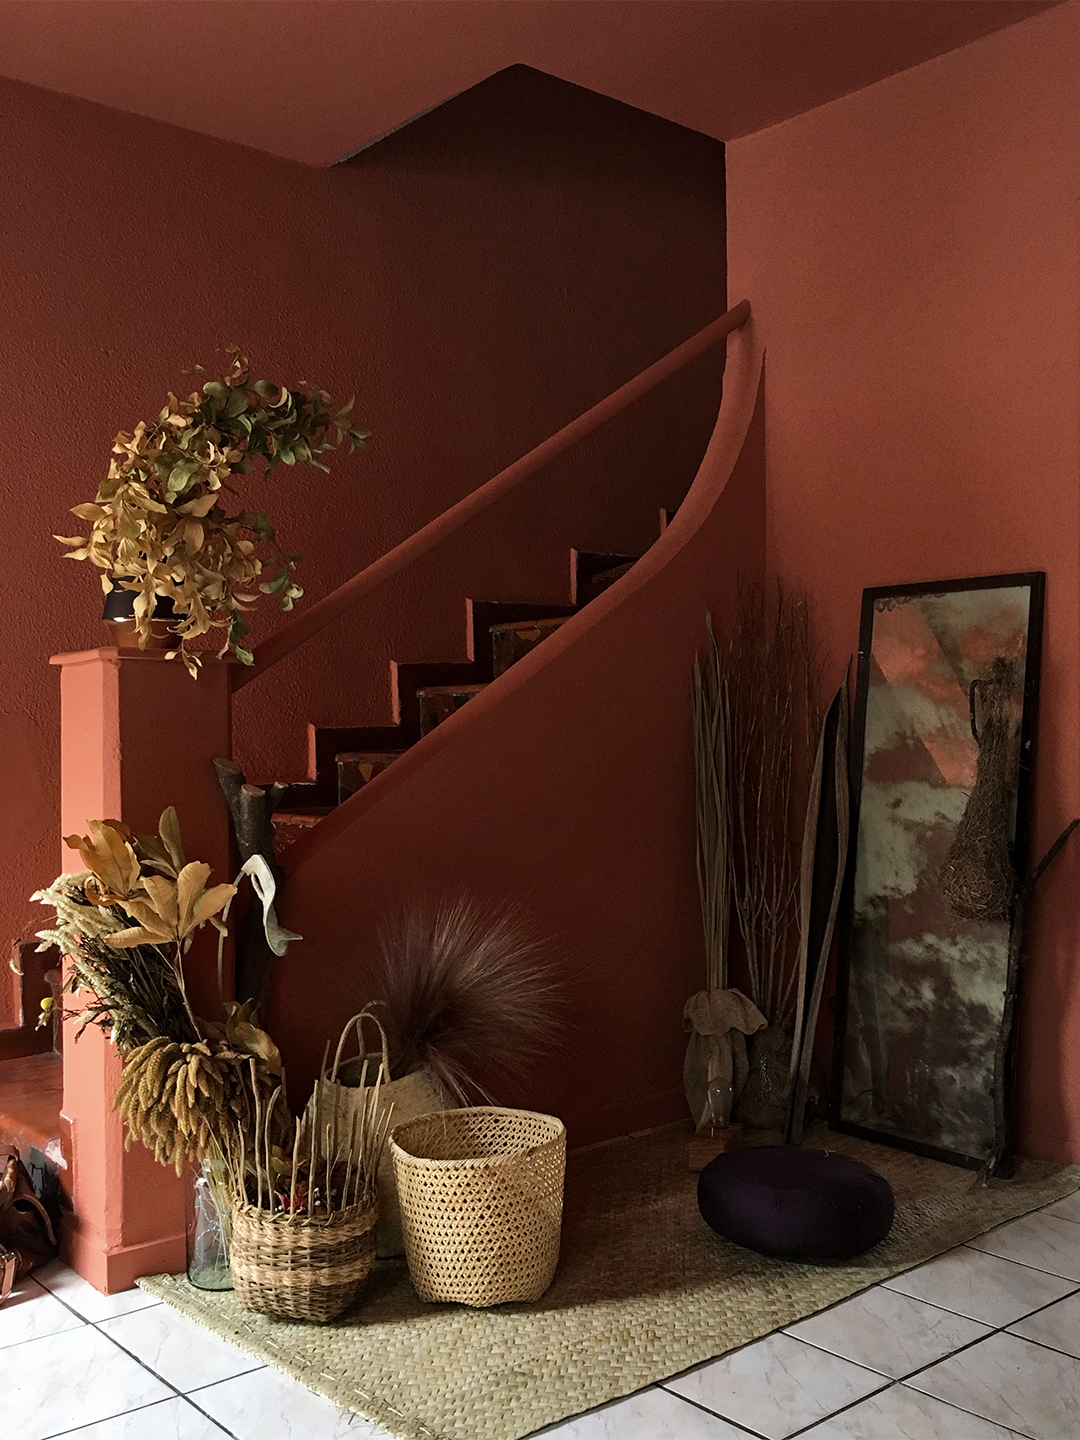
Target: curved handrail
point(334, 605)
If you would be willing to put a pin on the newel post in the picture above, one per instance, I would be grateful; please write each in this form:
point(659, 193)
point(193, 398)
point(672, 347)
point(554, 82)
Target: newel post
point(137, 734)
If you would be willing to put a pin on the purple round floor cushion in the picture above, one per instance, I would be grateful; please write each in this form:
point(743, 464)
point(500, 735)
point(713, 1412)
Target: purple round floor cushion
point(780, 1200)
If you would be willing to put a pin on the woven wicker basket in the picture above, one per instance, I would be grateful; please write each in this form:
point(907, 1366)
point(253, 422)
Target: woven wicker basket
point(297, 1267)
point(481, 1195)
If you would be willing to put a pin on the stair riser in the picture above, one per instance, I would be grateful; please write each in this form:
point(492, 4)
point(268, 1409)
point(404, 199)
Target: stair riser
point(511, 643)
point(355, 770)
point(437, 706)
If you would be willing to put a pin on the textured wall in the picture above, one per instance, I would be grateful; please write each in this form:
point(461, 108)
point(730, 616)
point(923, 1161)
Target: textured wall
point(568, 787)
point(479, 279)
point(911, 255)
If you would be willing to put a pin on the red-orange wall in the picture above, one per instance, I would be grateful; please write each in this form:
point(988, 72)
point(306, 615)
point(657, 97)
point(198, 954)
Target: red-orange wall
point(911, 255)
point(478, 279)
point(568, 788)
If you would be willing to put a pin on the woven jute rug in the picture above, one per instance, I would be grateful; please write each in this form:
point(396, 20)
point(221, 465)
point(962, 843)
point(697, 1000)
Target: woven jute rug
point(644, 1289)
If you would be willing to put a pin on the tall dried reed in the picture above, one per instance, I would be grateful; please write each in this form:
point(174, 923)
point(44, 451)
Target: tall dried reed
point(712, 745)
point(773, 676)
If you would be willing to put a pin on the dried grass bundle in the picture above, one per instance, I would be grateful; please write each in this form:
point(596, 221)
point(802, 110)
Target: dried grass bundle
point(774, 686)
point(462, 986)
point(978, 879)
point(712, 744)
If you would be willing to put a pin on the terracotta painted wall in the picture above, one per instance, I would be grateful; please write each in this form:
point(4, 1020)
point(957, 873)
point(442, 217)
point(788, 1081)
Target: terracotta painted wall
point(567, 787)
point(911, 255)
point(479, 279)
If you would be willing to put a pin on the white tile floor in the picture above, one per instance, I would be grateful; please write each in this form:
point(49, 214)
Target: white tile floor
point(980, 1344)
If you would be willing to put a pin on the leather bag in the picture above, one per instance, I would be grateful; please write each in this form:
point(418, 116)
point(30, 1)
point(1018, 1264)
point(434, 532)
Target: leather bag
point(27, 1237)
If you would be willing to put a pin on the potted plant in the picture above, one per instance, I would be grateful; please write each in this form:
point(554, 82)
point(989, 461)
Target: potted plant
point(124, 924)
point(162, 530)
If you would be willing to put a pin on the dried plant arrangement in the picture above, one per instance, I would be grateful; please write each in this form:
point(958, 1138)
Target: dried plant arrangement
point(305, 1201)
point(464, 986)
point(125, 923)
point(774, 679)
point(323, 1167)
point(161, 524)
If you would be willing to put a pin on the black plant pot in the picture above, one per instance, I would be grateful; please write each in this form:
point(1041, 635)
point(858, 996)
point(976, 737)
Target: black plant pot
point(119, 617)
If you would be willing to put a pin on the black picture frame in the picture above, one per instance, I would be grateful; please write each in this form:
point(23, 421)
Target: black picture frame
point(1034, 582)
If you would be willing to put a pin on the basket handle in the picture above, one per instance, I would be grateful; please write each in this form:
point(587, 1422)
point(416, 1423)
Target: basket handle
point(358, 1020)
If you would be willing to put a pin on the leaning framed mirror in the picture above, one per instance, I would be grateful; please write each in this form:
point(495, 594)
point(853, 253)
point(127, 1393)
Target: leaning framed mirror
point(941, 774)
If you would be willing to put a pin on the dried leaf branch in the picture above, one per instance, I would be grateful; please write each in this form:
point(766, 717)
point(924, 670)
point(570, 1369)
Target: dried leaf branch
point(159, 521)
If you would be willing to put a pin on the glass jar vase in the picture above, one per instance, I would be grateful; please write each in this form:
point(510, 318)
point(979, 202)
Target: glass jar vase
point(209, 1232)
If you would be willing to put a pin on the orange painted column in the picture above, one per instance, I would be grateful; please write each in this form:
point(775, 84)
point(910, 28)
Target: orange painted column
point(137, 734)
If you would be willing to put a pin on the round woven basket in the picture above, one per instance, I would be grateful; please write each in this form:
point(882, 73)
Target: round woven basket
point(481, 1194)
point(297, 1267)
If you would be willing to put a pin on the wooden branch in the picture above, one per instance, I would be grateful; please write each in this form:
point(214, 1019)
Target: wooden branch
point(251, 808)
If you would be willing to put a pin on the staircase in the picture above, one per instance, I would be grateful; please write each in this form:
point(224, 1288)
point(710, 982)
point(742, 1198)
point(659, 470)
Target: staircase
point(425, 693)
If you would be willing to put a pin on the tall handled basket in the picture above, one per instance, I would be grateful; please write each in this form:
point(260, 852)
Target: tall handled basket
point(418, 1093)
point(481, 1194)
point(310, 1264)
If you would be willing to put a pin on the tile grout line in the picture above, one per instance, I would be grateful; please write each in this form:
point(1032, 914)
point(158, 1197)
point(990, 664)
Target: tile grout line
point(58, 1434)
point(150, 1370)
point(889, 1382)
point(698, 1405)
point(97, 1325)
point(904, 1379)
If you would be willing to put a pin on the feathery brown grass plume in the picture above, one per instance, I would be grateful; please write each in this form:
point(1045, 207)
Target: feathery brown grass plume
point(465, 987)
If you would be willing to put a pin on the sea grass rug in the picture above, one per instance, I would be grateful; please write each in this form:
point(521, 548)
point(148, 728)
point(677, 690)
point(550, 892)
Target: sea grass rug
point(643, 1290)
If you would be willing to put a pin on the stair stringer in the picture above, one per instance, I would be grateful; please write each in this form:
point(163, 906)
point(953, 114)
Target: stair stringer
point(567, 786)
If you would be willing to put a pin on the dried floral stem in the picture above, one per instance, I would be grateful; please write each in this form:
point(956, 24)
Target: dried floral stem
point(328, 1169)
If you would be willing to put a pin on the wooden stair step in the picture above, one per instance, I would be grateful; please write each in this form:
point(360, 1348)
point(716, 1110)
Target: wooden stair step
point(290, 824)
point(356, 767)
point(438, 702)
point(606, 578)
point(514, 639)
point(592, 571)
point(483, 615)
point(412, 678)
